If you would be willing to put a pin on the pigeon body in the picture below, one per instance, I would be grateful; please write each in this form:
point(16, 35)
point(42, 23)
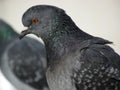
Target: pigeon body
point(30, 69)
point(25, 73)
point(76, 60)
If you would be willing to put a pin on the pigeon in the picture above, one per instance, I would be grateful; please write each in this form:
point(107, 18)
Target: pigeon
point(25, 73)
point(76, 60)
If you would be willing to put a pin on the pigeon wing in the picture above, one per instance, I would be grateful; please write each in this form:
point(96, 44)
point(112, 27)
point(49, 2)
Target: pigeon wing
point(99, 67)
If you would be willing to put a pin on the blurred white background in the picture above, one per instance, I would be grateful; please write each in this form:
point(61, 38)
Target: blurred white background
point(97, 17)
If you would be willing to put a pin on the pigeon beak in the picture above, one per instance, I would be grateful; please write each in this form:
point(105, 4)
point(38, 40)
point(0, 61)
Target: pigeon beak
point(24, 33)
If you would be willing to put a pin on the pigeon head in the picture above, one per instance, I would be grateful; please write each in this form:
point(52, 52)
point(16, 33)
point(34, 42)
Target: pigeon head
point(39, 20)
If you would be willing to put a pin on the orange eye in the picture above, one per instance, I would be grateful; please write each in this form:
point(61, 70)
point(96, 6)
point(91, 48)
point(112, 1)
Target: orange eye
point(35, 20)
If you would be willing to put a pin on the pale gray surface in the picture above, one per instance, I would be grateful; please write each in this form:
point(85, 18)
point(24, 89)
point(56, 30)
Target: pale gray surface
point(5, 84)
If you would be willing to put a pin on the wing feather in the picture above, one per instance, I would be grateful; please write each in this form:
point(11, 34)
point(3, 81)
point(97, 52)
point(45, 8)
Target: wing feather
point(100, 68)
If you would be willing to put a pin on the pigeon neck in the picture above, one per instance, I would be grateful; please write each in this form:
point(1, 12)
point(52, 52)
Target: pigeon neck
point(6, 34)
point(65, 36)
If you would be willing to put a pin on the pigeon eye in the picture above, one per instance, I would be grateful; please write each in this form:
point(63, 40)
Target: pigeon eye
point(35, 20)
